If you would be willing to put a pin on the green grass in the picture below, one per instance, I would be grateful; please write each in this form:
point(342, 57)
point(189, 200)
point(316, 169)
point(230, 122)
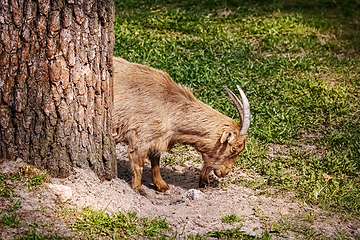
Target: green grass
point(196, 237)
point(32, 177)
point(10, 220)
point(283, 227)
point(37, 236)
point(232, 218)
point(298, 229)
point(236, 234)
point(298, 63)
point(92, 223)
point(5, 189)
point(180, 154)
point(16, 206)
point(28, 175)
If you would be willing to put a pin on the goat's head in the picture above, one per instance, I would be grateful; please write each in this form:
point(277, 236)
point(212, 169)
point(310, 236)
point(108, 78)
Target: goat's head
point(230, 142)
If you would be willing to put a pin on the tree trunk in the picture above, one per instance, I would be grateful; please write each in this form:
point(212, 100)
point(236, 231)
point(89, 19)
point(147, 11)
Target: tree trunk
point(56, 91)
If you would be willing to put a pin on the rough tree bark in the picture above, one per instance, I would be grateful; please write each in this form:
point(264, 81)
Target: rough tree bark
point(56, 91)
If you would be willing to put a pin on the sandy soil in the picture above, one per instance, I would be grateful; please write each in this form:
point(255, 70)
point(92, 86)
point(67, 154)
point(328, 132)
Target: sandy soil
point(185, 212)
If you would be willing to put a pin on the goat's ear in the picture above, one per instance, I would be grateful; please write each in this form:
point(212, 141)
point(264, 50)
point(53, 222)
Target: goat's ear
point(226, 137)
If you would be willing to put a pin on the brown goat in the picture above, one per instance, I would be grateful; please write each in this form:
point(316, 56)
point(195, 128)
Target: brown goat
point(152, 113)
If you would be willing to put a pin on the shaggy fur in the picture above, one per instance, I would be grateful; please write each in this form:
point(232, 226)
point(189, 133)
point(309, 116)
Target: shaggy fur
point(152, 113)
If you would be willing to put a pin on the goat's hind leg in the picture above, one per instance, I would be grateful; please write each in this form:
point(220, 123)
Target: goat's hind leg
point(137, 159)
point(160, 184)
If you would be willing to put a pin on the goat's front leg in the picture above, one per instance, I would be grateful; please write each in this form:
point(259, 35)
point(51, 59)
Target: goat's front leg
point(204, 176)
point(160, 184)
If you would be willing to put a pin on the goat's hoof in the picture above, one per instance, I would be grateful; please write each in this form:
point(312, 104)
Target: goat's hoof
point(204, 184)
point(140, 190)
point(162, 186)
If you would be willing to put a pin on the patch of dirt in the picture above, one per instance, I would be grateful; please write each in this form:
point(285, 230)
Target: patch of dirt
point(185, 214)
point(307, 143)
point(278, 150)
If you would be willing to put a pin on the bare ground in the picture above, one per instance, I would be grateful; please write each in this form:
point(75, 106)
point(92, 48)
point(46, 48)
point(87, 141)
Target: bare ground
point(185, 215)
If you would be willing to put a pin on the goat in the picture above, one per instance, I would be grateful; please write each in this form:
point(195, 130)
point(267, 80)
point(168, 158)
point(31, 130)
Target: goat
point(152, 113)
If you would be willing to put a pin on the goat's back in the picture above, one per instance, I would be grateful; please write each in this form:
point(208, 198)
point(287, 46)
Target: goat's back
point(146, 101)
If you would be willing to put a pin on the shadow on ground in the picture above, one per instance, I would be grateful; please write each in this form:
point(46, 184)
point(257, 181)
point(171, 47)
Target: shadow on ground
point(186, 176)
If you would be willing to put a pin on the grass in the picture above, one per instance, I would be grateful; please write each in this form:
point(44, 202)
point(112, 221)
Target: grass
point(5, 189)
point(16, 206)
point(29, 177)
point(93, 223)
point(37, 236)
point(284, 227)
point(180, 154)
point(236, 234)
point(259, 213)
point(32, 177)
point(298, 229)
point(10, 220)
point(232, 218)
point(298, 63)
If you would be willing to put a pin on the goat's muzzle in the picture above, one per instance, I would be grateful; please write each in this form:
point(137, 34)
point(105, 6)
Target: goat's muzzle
point(222, 171)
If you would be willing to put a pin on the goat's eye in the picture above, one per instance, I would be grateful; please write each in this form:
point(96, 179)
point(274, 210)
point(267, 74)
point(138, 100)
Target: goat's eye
point(233, 149)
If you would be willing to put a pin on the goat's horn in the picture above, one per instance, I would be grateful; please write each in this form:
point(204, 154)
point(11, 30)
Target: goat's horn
point(243, 108)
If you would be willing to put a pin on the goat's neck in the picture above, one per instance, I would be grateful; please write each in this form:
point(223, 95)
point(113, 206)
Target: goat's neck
point(200, 126)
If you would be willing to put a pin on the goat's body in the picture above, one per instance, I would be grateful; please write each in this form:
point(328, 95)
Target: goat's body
point(152, 113)
point(142, 111)
point(152, 109)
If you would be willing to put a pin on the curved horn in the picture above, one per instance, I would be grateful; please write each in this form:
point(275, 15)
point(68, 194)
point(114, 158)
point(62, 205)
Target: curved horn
point(243, 108)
